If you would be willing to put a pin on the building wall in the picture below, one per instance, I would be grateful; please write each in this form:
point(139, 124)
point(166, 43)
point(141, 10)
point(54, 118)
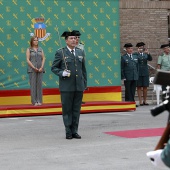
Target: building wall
point(144, 20)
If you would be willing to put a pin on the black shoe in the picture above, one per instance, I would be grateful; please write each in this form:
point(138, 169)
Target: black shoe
point(69, 137)
point(145, 103)
point(77, 136)
point(136, 105)
point(141, 104)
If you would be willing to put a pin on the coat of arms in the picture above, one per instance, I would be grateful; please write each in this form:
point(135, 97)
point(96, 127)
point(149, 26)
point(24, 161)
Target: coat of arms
point(40, 29)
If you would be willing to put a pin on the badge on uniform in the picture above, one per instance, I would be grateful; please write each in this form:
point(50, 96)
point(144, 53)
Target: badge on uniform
point(80, 57)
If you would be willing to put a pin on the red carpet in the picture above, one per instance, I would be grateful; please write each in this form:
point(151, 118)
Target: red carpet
point(138, 133)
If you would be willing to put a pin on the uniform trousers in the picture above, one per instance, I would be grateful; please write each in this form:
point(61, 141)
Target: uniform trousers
point(36, 87)
point(71, 105)
point(130, 88)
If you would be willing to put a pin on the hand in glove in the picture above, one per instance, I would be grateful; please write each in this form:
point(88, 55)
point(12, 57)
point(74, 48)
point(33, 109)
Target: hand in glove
point(65, 73)
point(155, 157)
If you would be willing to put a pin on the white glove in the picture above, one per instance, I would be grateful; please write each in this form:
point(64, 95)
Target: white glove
point(65, 73)
point(155, 157)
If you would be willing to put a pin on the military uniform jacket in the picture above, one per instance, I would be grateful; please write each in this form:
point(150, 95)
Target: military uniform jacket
point(129, 67)
point(164, 61)
point(76, 64)
point(143, 63)
point(81, 46)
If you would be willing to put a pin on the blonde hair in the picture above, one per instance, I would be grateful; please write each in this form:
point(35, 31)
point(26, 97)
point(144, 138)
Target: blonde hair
point(32, 39)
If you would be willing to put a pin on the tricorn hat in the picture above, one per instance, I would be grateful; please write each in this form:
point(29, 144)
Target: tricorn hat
point(77, 32)
point(128, 45)
point(68, 33)
point(140, 44)
point(164, 45)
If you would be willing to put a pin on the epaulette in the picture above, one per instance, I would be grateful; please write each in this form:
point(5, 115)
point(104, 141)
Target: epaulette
point(81, 43)
point(60, 49)
point(78, 47)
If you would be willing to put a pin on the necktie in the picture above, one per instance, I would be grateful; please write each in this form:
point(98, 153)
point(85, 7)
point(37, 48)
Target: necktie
point(72, 51)
point(131, 56)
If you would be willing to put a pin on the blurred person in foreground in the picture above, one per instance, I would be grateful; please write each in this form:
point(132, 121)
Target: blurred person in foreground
point(160, 158)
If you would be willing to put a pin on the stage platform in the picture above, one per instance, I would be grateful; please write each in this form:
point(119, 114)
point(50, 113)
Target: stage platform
point(55, 109)
point(97, 99)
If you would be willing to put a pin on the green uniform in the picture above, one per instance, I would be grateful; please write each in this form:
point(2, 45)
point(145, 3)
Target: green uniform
point(165, 155)
point(71, 88)
point(129, 72)
point(164, 62)
point(81, 46)
point(143, 80)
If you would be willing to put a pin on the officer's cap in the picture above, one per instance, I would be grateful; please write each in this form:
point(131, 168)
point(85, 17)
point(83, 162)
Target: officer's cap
point(128, 45)
point(68, 33)
point(77, 32)
point(164, 45)
point(140, 44)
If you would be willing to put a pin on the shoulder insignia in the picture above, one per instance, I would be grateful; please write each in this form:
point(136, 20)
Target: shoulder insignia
point(60, 49)
point(78, 48)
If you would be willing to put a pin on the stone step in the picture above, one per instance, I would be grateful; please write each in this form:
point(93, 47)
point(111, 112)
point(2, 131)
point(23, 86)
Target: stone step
point(151, 95)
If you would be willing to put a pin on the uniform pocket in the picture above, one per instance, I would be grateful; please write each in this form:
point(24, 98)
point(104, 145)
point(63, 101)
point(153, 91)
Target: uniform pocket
point(68, 60)
point(80, 59)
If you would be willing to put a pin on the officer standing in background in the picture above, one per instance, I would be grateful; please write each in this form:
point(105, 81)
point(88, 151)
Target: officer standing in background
point(143, 81)
point(129, 72)
point(79, 44)
point(69, 65)
point(164, 60)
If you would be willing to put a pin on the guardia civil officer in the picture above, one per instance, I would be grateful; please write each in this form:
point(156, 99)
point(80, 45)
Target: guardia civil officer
point(79, 44)
point(143, 81)
point(129, 72)
point(69, 65)
point(164, 60)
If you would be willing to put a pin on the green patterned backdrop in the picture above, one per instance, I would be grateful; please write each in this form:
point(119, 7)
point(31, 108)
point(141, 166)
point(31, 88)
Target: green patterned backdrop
point(97, 20)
